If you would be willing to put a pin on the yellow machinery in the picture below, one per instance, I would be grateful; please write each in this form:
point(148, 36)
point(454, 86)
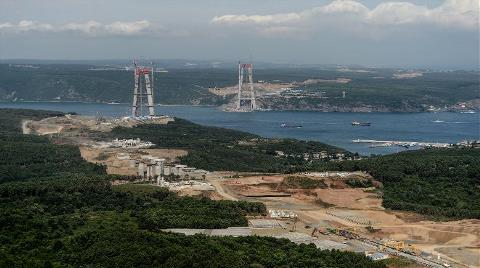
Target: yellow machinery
point(401, 246)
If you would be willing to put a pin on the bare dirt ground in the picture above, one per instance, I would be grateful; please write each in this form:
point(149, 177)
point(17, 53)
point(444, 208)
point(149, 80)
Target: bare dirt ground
point(109, 158)
point(40, 127)
point(116, 158)
point(268, 88)
point(467, 255)
point(71, 125)
point(73, 129)
point(260, 88)
point(457, 241)
point(349, 198)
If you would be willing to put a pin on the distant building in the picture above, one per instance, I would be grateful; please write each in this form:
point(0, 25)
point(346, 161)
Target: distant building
point(377, 256)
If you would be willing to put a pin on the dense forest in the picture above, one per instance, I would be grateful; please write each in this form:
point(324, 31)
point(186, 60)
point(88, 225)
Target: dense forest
point(443, 183)
point(374, 88)
point(72, 216)
point(213, 148)
point(68, 82)
point(377, 91)
point(30, 156)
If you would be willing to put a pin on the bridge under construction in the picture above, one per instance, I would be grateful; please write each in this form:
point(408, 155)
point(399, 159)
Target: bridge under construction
point(143, 92)
point(246, 92)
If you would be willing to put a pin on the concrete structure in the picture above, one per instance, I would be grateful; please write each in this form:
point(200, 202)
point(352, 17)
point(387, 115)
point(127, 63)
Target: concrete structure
point(246, 95)
point(266, 223)
point(191, 184)
point(151, 169)
point(143, 88)
point(281, 214)
point(185, 172)
point(125, 143)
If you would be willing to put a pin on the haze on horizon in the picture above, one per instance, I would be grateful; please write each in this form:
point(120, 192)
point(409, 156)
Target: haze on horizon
point(412, 33)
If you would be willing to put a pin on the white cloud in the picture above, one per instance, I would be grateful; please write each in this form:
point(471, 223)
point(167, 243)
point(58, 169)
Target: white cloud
point(257, 19)
point(90, 28)
point(342, 6)
point(5, 26)
point(458, 14)
point(128, 28)
point(27, 25)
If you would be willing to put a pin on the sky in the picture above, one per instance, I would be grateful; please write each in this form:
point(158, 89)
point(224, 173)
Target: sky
point(411, 33)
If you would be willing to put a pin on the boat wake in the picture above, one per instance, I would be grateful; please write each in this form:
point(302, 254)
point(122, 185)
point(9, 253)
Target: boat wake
point(453, 122)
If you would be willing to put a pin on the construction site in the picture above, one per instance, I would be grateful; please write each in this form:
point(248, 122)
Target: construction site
point(333, 215)
point(248, 95)
point(352, 219)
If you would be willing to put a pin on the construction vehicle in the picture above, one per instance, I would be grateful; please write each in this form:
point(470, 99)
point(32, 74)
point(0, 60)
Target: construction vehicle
point(347, 232)
point(317, 230)
point(401, 246)
point(294, 225)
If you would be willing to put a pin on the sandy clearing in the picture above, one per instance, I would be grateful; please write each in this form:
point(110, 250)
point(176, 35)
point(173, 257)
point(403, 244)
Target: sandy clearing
point(25, 128)
point(349, 198)
point(426, 235)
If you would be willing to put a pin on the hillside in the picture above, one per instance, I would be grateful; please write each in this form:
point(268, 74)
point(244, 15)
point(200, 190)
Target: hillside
point(64, 212)
point(78, 83)
point(213, 148)
point(443, 183)
point(302, 88)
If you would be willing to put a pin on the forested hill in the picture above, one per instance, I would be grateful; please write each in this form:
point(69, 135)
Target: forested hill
point(214, 149)
point(366, 90)
point(57, 210)
point(79, 83)
point(443, 183)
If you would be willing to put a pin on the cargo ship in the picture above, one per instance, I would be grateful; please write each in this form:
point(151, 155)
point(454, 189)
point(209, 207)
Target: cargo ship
point(363, 124)
point(294, 126)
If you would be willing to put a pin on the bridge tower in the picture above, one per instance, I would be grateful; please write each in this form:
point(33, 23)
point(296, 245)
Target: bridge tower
point(246, 93)
point(143, 91)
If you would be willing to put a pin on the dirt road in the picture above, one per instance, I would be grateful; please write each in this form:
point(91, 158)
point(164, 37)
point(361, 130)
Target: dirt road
point(220, 189)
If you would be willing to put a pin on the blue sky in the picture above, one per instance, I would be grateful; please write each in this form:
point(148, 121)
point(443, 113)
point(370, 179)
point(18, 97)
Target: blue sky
point(412, 33)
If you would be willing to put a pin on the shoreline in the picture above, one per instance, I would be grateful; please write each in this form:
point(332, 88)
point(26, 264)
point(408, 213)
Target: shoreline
point(220, 108)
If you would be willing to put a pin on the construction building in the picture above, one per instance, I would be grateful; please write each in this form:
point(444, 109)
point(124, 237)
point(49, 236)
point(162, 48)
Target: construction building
point(125, 143)
point(185, 172)
point(151, 168)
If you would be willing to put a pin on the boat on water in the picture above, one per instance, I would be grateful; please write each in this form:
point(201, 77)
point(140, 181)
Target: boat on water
point(468, 112)
point(363, 124)
point(290, 126)
point(438, 121)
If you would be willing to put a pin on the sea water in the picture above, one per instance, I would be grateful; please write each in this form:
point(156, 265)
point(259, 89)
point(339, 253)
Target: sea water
point(330, 128)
